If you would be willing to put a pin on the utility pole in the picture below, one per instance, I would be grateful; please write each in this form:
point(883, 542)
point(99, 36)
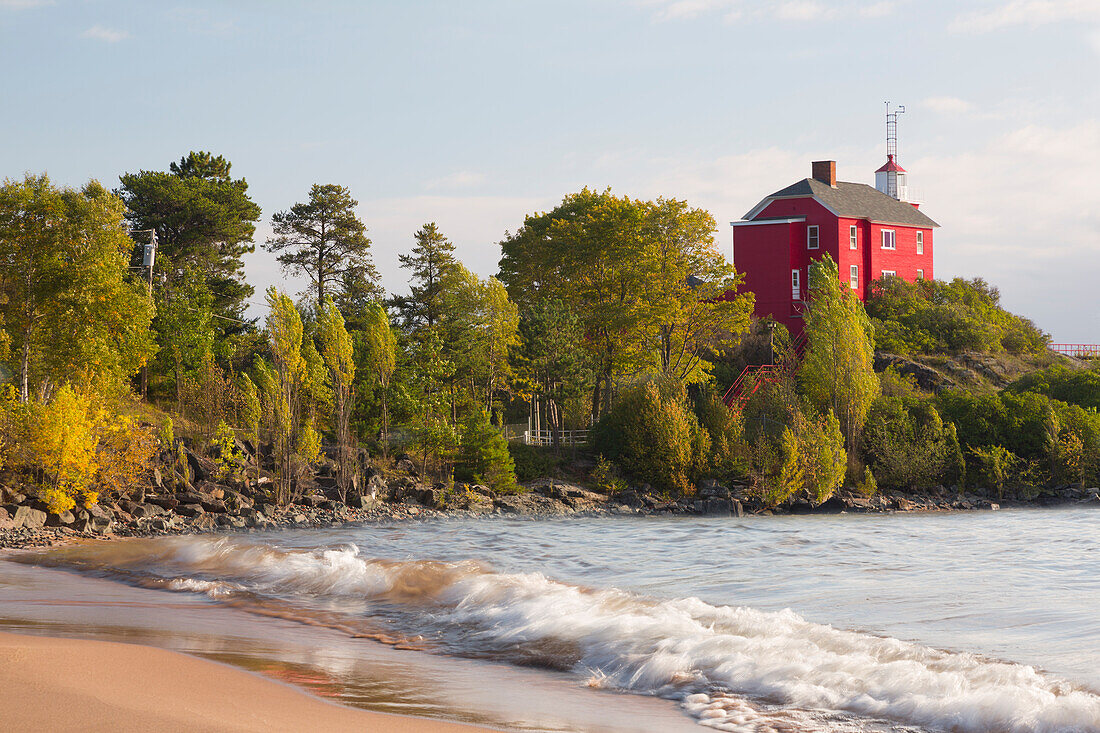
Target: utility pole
point(147, 260)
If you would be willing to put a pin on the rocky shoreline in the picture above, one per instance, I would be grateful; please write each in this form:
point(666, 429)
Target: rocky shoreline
point(197, 501)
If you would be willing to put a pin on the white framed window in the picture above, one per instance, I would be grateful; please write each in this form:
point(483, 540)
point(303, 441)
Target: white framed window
point(889, 273)
point(889, 239)
point(796, 290)
point(853, 241)
point(813, 237)
point(853, 277)
point(920, 243)
point(920, 274)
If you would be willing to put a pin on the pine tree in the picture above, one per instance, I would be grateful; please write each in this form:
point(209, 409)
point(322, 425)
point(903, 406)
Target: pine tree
point(324, 240)
point(484, 453)
point(429, 261)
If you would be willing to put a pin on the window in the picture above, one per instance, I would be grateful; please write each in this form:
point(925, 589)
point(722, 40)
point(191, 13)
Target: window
point(889, 273)
point(813, 237)
point(852, 237)
point(920, 243)
point(889, 239)
point(795, 290)
point(920, 274)
point(853, 277)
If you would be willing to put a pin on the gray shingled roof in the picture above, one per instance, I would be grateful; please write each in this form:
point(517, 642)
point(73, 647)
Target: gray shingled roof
point(857, 201)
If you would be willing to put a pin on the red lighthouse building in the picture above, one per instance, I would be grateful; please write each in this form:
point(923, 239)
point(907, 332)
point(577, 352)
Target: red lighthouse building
point(869, 232)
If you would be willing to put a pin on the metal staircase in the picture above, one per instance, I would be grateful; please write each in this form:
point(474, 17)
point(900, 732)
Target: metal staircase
point(755, 377)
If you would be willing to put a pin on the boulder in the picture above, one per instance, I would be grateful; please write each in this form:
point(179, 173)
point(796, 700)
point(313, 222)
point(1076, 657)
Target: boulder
point(190, 510)
point(29, 517)
point(361, 501)
point(64, 519)
point(203, 522)
point(718, 507)
point(11, 496)
point(5, 519)
point(164, 502)
point(406, 466)
point(430, 497)
point(94, 520)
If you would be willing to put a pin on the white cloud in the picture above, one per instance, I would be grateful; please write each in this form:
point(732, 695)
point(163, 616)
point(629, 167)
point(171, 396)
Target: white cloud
point(459, 179)
point(948, 105)
point(787, 10)
point(103, 33)
point(1026, 12)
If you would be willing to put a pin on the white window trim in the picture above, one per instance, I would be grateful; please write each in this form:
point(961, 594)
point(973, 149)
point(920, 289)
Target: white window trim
point(920, 243)
point(920, 274)
point(889, 273)
point(893, 238)
point(853, 237)
point(816, 231)
point(853, 277)
point(796, 285)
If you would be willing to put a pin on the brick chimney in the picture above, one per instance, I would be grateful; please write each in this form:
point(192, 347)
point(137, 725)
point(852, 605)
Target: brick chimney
point(825, 171)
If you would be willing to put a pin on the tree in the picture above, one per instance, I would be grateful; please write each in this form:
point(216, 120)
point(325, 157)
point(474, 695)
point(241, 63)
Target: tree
point(324, 240)
point(484, 455)
point(698, 308)
point(204, 221)
point(551, 363)
point(644, 279)
point(478, 324)
point(202, 165)
point(429, 261)
point(284, 386)
point(337, 352)
point(72, 313)
point(184, 327)
point(838, 370)
point(376, 358)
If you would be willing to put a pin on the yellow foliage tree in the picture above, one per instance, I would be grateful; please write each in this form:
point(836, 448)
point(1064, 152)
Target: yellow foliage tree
point(63, 438)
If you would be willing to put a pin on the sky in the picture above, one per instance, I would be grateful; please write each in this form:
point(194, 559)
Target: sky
point(476, 113)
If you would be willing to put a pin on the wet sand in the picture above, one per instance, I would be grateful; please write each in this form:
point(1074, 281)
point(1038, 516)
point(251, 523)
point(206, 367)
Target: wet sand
point(68, 685)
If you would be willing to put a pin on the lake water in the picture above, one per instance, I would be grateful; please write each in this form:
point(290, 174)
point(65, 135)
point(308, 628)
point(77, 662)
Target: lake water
point(922, 622)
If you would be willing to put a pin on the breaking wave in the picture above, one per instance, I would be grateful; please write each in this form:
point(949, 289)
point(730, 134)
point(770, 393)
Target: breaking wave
point(732, 668)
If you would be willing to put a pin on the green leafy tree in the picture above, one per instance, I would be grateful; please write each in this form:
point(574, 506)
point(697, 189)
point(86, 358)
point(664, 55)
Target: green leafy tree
point(338, 354)
point(644, 279)
point(376, 359)
point(184, 327)
point(431, 257)
point(479, 326)
point(72, 314)
point(550, 361)
point(324, 240)
point(838, 370)
point(204, 221)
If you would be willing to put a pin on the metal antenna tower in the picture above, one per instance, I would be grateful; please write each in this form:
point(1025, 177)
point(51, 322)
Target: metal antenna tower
point(892, 129)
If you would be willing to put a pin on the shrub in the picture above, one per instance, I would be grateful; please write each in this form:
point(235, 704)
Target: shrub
point(726, 430)
point(867, 486)
point(992, 467)
point(532, 461)
point(1059, 382)
point(908, 445)
point(934, 316)
point(653, 434)
point(605, 478)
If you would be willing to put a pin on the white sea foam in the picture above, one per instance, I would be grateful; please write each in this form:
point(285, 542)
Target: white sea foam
point(730, 666)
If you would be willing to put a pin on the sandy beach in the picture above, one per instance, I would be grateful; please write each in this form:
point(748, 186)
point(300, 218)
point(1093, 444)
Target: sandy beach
point(68, 685)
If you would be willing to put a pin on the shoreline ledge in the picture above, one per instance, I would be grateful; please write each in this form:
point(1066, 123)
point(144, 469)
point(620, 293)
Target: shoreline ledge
point(56, 684)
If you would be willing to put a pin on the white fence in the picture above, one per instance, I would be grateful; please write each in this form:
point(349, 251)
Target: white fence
point(546, 437)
